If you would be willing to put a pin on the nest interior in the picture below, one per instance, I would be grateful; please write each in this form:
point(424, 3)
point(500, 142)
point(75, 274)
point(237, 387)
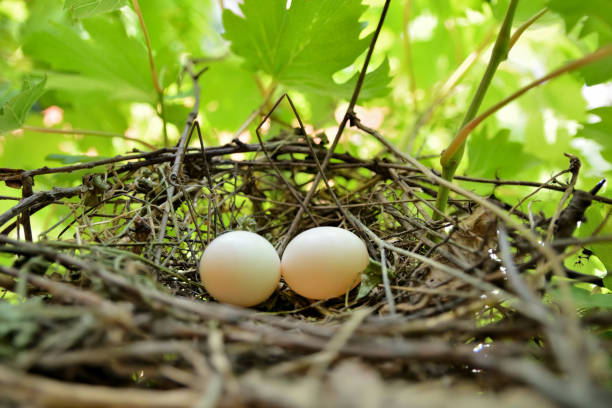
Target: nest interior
point(109, 310)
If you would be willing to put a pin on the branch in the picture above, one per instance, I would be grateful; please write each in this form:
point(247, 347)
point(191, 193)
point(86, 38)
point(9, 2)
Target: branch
point(179, 156)
point(456, 144)
point(499, 54)
point(345, 119)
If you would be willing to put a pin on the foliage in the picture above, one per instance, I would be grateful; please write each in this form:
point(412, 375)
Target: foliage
point(15, 105)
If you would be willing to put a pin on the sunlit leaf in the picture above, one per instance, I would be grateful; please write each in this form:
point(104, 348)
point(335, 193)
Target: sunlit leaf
point(101, 59)
point(303, 46)
point(600, 131)
point(592, 17)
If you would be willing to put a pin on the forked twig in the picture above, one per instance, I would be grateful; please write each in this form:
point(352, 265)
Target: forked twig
point(345, 119)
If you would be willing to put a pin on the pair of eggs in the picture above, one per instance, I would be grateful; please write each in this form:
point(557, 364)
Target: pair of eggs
point(243, 268)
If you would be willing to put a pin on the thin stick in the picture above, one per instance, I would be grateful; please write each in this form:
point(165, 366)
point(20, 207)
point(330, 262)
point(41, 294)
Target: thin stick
point(386, 283)
point(519, 31)
point(178, 159)
point(345, 119)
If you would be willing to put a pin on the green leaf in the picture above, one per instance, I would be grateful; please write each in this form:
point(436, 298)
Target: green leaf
point(595, 215)
point(371, 277)
point(586, 300)
point(601, 131)
point(598, 15)
point(607, 280)
point(90, 8)
point(303, 46)
point(229, 94)
point(100, 58)
point(496, 156)
point(14, 108)
point(591, 17)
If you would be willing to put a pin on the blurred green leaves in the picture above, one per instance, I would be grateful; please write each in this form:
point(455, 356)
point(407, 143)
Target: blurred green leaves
point(304, 46)
point(98, 59)
point(498, 156)
point(14, 106)
point(591, 17)
point(600, 131)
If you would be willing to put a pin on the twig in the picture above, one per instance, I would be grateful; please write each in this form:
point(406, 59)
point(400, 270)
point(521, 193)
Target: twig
point(603, 52)
point(386, 283)
point(574, 168)
point(178, 159)
point(519, 31)
point(341, 126)
point(26, 191)
point(49, 196)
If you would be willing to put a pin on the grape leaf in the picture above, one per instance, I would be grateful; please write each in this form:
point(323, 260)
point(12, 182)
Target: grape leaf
point(15, 107)
point(303, 46)
point(496, 156)
point(90, 8)
point(104, 60)
point(593, 16)
point(229, 94)
point(598, 16)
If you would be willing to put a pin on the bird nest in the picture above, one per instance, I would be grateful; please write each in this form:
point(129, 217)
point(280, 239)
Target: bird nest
point(108, 308)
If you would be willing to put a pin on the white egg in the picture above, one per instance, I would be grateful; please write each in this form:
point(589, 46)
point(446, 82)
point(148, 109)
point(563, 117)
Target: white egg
point(324, 262)
point(240, 268)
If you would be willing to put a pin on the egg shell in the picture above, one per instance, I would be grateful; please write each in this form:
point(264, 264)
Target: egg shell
point(240, 268)
point(324, 262)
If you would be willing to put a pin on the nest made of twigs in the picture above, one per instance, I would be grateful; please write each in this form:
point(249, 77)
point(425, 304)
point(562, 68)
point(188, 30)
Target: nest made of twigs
point(113, 313)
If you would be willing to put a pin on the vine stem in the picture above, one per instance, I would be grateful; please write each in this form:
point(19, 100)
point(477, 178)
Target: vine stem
point(519, 31)
point(499, 54)
point(407, 142)
point(455, 145)
point(158, 89)
point(453, 80)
